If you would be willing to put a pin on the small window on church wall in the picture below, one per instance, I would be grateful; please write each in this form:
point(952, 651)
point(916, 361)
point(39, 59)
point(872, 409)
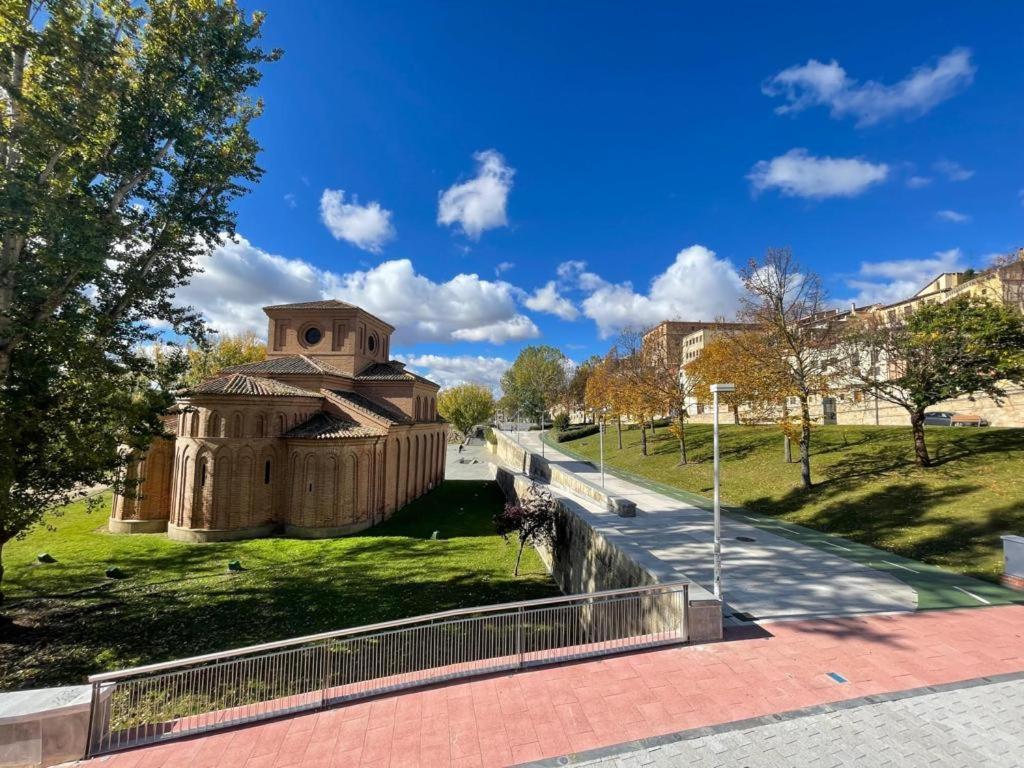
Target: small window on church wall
point(371, 343)
point(310, 487)
point(313, 335)
point(266, 473)
point(202, 475)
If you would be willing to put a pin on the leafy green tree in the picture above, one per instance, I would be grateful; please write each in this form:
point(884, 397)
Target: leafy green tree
point(534, 382)
point(124, 138)
point(466, 405)
point(965, 346)
point(206, 360)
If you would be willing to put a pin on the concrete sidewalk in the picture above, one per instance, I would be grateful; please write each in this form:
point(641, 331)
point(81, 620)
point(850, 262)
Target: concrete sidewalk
point(766, 576)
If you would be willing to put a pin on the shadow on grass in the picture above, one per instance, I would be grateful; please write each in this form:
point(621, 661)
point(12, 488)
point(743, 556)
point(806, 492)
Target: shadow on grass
point(884, 517)
point(289, 588)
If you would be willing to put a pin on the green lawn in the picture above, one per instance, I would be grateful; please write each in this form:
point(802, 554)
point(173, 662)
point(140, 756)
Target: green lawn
point(66, 619)
point(867, 487)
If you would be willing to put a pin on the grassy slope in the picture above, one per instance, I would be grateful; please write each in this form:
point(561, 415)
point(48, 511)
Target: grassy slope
point(867, 487)
point(179, 600)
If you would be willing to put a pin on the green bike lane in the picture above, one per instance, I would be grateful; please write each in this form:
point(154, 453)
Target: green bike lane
point(936, 588)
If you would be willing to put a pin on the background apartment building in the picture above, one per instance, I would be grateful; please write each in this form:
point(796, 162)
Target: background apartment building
point(684, 340)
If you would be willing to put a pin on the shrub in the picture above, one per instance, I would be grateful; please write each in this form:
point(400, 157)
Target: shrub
point(576, 433)
point(531, 521)
point(561, 422)
point(489, 436)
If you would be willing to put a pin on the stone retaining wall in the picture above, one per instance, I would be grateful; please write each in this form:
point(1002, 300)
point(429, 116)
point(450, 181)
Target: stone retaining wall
point(588, 559)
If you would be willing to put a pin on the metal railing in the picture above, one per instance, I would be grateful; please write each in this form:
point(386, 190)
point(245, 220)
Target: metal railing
point(220, 690)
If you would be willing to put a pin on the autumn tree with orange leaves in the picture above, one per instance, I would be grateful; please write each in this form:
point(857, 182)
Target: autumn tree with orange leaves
point(605, 393)
point(760, 389)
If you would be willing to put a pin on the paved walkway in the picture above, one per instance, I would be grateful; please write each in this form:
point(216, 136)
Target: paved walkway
point(935, 587)
point(766, 575)
point(572, 708)
point(962, 727)
point(473, 463)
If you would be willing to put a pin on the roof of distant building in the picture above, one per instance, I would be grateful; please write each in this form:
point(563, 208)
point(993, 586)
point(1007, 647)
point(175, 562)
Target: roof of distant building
point(393, 370)
point(240, 384)
point(298, 365)
point(323, 304)
point(326, 426)
point(374, 407)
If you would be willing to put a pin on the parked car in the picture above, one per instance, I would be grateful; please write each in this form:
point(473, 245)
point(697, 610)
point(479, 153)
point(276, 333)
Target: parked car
point(950, 419)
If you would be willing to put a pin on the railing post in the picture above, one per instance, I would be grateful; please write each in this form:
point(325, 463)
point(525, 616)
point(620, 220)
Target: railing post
point(324, 675)
point(92, 746)
point(519, 635)
point(685, 630)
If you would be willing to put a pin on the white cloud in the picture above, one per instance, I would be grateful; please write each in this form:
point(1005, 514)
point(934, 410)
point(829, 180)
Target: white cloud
point(504, 266)
point(819, 84)
point(798, 174)
point(575, 273)
point(548, 299)
point(459, 369)
point(953, 170)
point(886, 282)
point(696, 286)
point(365, 226)
point(463, 308)
point(917, 182)
point(568, 270)
point(479, 204)
point(238, 279)
point(953, 216)
point(291, 200)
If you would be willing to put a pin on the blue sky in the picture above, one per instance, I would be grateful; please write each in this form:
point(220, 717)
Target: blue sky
point(439, 162)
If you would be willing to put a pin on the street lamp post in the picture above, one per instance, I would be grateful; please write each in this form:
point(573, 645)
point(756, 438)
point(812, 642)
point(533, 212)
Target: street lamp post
point(600, 431)
point(715, 389)
point(517, 425)
point(542, 431)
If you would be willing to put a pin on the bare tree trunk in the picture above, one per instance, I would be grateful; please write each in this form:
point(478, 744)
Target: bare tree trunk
point(920, 447)
point(3, 540)
point(654, 429)
point(736, 414)
point(682, 440)
point(787, 444)
point(643, 437)
point(519, 556)
point(618, 430)
point(805, 442)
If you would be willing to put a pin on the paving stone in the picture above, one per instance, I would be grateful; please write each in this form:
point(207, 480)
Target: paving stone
point(959, 728)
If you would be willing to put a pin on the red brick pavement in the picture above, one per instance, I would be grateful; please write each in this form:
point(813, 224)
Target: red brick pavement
point(550, 711)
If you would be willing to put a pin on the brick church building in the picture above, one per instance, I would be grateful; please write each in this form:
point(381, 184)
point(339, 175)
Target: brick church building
point(326, 436)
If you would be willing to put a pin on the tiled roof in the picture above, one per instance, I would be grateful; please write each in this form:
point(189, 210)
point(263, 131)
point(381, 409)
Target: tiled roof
point(292, 364)
point(389, 371)
point(379, 409)
point(325, 426)
point(240, 384)
point(385, 371)
point(325, 304)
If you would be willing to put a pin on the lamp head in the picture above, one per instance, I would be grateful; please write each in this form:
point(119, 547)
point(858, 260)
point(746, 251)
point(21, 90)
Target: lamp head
point(723, 388)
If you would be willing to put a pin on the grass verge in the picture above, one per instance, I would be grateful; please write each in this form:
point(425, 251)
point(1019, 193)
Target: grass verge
point(66, 620)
